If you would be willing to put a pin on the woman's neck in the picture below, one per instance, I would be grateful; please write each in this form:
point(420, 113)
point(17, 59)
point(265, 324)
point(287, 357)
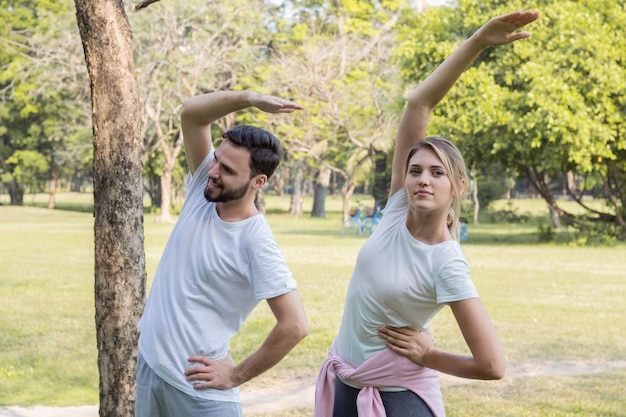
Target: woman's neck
point(430, 229)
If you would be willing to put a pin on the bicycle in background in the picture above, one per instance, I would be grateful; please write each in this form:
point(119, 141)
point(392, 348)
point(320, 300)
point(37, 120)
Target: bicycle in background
point(363, 220)
point(371, 220)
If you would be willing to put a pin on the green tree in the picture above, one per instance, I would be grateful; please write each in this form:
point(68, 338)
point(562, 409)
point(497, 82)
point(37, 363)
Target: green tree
point(333, 56)
point(545, 108)
point(45, 108)
point(183, 49)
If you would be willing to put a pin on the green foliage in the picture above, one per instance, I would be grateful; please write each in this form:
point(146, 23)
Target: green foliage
point(550, 105)
point(507, 214)
point(183, 49)
point(545, 234)
point(44, 89)
point(596, 234)
point(30, 169)
point(490, 189)
point(333, 58)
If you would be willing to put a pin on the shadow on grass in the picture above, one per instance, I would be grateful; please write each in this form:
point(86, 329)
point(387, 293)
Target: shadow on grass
point(77, 207)
point(490, 238)
point(330, 226)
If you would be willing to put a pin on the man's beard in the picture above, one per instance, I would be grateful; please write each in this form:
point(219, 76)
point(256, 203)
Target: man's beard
point(225, 196)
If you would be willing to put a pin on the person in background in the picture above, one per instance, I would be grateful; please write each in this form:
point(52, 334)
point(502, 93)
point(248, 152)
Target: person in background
point(383, 361)
point(463, 234)
point(220, 261)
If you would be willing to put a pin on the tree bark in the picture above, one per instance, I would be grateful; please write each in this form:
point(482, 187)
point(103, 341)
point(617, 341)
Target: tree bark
point(120, 276)
point(166, 198)
point(382, 179)
point(321, 189)
point(52, 184)
point(16, 193)
point(297, 194)
point(259, 200)
point(539, 181)
point(474, 183)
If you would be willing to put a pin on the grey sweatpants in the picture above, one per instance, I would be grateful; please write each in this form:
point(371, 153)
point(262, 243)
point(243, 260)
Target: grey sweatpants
point(157, 398)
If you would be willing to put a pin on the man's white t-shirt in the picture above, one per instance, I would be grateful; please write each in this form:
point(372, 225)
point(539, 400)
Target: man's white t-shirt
point(210, 277)
point(398, 281)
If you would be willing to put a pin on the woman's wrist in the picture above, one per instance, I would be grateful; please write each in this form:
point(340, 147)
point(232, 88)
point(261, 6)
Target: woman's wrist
point(426, 356)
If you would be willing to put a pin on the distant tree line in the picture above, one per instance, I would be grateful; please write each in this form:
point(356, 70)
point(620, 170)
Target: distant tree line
point(545, 115)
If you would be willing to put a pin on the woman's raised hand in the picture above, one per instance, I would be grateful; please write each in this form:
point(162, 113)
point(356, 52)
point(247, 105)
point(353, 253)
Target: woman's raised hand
point(502, 29)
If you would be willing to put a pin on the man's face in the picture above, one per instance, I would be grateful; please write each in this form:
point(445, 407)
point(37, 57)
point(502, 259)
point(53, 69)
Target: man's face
point(229, 174)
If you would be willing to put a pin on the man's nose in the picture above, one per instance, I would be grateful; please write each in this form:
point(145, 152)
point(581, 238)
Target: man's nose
point(213, 171)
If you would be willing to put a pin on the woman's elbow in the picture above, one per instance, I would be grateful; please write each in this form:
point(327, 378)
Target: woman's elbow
point(494, 370)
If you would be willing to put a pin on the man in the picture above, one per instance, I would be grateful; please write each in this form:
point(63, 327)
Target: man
point(220, 261)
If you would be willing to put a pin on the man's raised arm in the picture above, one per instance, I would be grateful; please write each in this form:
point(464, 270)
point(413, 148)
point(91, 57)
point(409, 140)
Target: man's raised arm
point(200, 111)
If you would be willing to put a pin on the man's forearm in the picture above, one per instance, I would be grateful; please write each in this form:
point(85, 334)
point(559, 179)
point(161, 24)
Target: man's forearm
point(202, 110)
point(278, 344)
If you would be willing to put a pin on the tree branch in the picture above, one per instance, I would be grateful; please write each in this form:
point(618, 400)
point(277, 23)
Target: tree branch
point(143, 4)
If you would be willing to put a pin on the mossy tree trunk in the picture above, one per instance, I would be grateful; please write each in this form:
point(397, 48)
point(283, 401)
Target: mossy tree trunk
point(120, 275)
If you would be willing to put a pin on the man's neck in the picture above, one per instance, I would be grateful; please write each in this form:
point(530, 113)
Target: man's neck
point(235, 211)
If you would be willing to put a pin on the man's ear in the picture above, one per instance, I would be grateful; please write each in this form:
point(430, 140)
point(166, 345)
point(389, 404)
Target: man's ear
point(259, 181)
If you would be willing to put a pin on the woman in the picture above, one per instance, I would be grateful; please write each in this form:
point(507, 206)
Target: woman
point(383, 361)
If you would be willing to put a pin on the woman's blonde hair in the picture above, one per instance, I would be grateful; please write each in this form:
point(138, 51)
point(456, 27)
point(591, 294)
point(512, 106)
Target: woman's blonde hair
point(456, 171)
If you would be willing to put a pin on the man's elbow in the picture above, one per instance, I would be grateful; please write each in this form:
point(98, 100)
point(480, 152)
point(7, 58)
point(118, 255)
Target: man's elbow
point(301, 330)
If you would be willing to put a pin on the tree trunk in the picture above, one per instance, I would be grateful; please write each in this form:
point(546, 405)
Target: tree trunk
point(278, 181)
point(52, 185)
point(154, 190)
point(259, 200)
point(297, 195)
point(539, 181)
point(474, 185)
point(16, 193)
point(166, 198)
point(382, 179)
point(320, 191)
point(347, 191)
point(120, 274)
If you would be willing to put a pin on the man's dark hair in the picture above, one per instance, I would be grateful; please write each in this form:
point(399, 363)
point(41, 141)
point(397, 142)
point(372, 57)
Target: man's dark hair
point(265, 150)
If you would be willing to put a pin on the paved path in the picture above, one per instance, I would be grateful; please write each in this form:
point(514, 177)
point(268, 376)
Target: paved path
point(302, 392)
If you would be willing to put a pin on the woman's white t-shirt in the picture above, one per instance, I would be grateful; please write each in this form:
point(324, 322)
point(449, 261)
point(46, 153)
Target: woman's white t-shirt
point(398, 281)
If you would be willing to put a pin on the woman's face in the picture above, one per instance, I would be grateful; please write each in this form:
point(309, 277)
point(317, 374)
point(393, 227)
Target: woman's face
point(427, 184)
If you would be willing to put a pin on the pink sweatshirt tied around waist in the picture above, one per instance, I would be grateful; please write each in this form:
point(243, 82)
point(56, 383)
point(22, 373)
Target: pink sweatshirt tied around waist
point(385, 369)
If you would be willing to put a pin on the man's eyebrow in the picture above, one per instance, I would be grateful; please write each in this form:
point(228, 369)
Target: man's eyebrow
point(227, 167)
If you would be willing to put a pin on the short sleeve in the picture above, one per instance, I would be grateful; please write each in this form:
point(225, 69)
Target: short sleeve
point(453, 282)
point(269, 274)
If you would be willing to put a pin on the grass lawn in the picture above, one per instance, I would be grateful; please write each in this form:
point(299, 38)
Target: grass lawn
point(549, 303)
